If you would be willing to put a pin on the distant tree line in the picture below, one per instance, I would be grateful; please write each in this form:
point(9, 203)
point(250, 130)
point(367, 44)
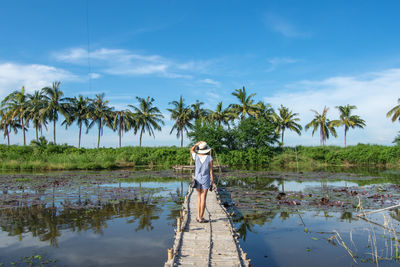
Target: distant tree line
point(245, 122)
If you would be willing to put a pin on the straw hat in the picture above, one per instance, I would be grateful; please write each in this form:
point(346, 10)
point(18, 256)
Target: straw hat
point(203, 148)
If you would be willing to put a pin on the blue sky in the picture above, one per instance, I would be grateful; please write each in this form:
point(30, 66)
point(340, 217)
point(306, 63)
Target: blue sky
point(303, 54)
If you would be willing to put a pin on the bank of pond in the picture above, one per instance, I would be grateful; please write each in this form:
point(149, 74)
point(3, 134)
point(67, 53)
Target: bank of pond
point(121, 217)
point(64, 157)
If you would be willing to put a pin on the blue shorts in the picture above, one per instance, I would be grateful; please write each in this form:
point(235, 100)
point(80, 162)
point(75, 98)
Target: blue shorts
point(199, 185)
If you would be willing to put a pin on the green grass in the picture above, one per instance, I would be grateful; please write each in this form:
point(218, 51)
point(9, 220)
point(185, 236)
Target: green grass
point(63, 157)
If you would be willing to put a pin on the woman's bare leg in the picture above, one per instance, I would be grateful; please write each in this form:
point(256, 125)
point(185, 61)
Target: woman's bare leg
point(198, 203)
point(203, 202)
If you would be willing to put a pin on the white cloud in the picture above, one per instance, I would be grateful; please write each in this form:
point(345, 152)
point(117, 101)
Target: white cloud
point(127, 63)
point(211, 81)
point(279, 61)
point(283, 26)
point(94, 75)
point(33, 76)
point(373, 94)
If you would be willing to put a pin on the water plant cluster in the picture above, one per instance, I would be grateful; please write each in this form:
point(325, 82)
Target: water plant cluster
point(19, 110)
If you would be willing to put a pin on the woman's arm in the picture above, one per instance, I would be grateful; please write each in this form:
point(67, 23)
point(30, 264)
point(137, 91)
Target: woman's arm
point(193, 147)
point(211, 172)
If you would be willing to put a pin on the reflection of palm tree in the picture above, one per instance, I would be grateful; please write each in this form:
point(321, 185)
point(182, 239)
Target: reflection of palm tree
point(245, 227)
point(395, 214)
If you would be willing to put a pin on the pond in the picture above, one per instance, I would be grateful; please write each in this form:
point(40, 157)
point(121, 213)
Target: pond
point(88, 218)
point(120, 218)
point(309, 219)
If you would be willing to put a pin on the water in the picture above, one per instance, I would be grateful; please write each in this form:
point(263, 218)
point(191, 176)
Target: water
point(125, 218)
point(87, 219)
point(286, 222)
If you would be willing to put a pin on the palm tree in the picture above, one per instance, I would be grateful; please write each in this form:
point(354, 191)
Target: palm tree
point(55, 104)
point(263, 110)
point(17, 108)
point(286, 120)
point(4, 125)
point(245, 106)
point(394, 112)
point(77, 109)
point(123, 121)
point(182, 115)
point(8, 124)
point(100, 114)
point(220, 115)
point(324, 124)
point(147, 117)
point(198, 112)
point(348, 120)
point(36, 106)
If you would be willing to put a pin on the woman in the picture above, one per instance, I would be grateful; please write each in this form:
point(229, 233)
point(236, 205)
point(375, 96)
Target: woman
point(203, 174)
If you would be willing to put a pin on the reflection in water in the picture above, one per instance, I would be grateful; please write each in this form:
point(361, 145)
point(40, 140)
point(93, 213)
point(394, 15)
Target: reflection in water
point(47, 222)
point(304, 218)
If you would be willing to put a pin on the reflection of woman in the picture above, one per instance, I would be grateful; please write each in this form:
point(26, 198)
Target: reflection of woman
point(203, 174)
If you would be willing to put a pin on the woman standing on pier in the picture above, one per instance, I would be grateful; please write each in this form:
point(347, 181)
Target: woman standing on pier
point(203, 175)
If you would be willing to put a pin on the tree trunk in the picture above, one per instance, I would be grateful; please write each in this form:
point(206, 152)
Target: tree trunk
point(8, 136)
point(283, 133)
point(182, 138)
point(54, 131)
point(37, 137)
point(23, 130)
point(140, 138)
point(98, 138)
point(80, 134)
point(345, 132)
point(119, 135)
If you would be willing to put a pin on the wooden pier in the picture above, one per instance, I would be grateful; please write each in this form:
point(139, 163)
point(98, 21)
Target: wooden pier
point(205, 244)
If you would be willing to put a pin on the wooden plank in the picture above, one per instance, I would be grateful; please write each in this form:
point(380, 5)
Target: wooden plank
point(206, 244)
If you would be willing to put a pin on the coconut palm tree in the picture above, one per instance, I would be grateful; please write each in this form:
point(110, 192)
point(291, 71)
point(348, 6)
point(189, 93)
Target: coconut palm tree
point(263, 110)
point(8, 124)
point(245, 106)
point(198, 112)
point(286, 119)
point(220, 115)
point(123, 121)
point(100, 114)
point(182, 115)
point(324, 124)
point(77, 109)
point(17, 109)
point(394, 112)
point(4, 124)
point(348, 120)
point(54, 104)
point(147, 117)
point(36, 107)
